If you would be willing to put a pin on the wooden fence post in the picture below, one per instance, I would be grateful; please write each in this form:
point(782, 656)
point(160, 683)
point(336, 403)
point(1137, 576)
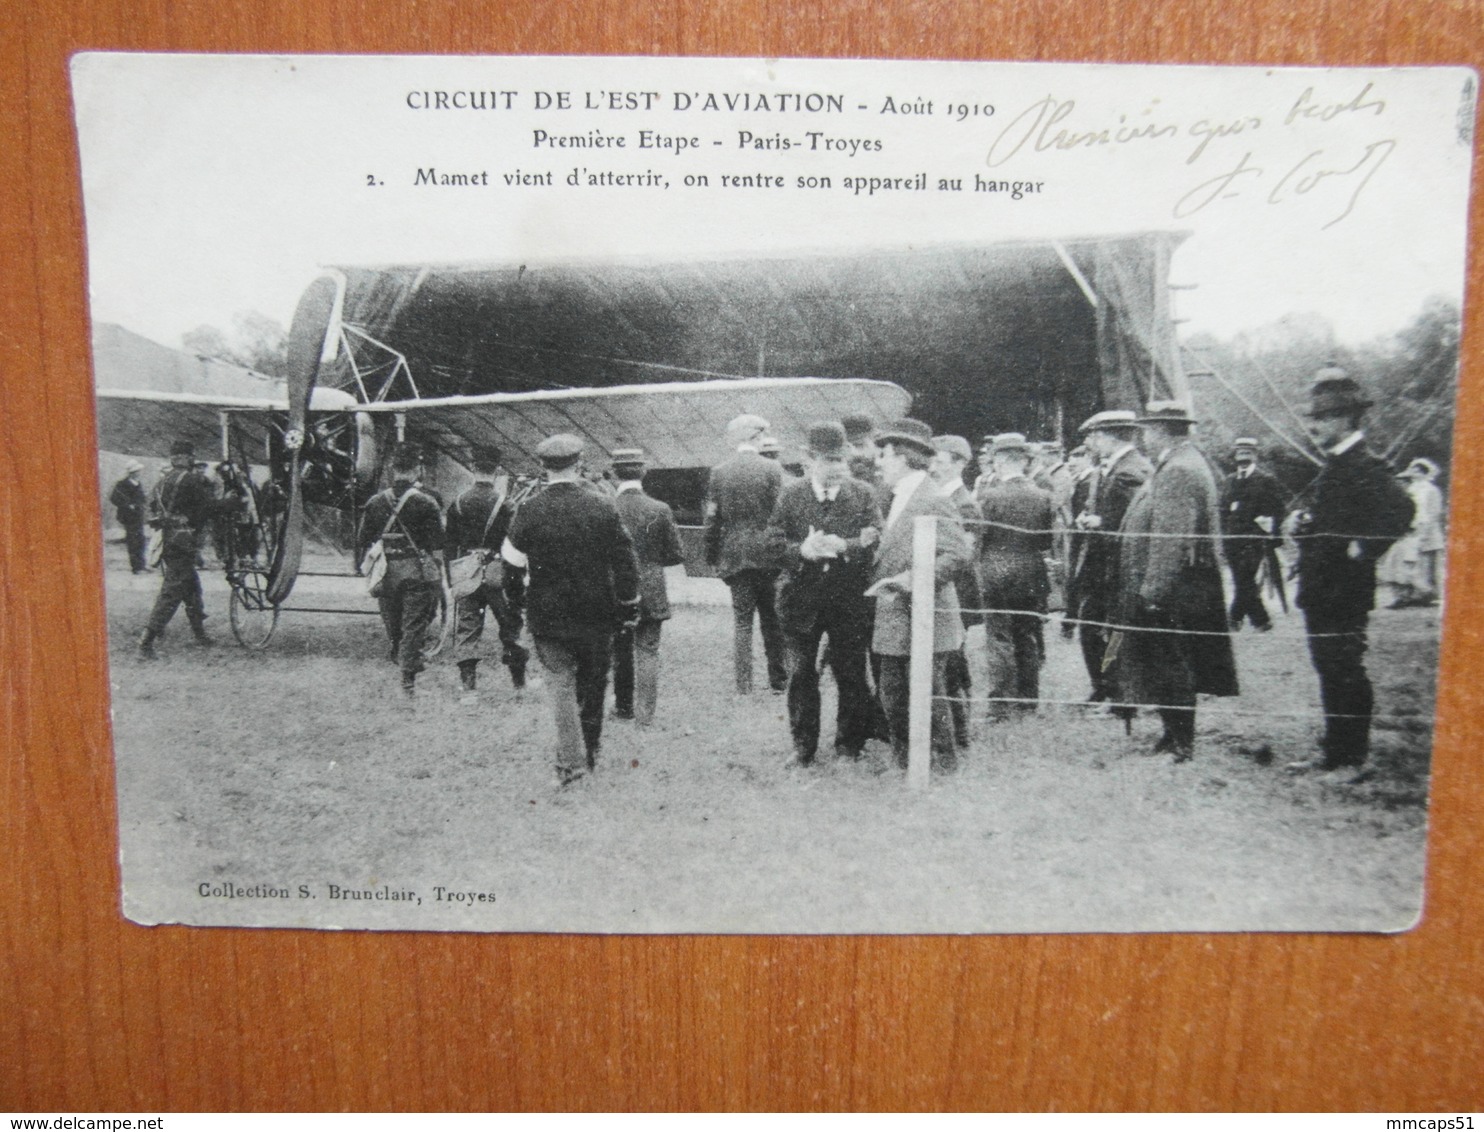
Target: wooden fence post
point(920, 671)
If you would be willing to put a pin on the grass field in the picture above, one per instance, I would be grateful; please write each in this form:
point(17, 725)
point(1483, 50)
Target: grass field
point(300, 765)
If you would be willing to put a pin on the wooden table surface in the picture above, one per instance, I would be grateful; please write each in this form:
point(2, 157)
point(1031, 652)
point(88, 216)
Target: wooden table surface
point(98, 1014)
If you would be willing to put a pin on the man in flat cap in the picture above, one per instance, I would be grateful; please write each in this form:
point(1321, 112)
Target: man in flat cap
point(1352, 514)
point(582, 584)
point(130, 504)
point(741, 495)
point(1111, 436)
point(636, 651)
point(408, 521)
point(904, 452)
point(822, 535)
point(1178, 643)
point(181, 505)
point(1252, 510)
point(478, 520)
point(1014, 542)
point(951, 456)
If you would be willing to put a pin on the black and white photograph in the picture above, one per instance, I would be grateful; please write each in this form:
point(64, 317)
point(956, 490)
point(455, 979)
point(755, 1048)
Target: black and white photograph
point(679, 495)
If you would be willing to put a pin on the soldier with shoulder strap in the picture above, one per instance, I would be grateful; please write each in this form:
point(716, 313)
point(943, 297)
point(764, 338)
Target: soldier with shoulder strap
point(409, 524)
point(180, 506)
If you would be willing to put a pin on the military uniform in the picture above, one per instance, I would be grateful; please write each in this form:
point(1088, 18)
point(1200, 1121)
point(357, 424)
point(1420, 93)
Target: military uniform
point(181, 504)
point(636, 656)
point(478, 521)
point(582, 584)
point(413, 545)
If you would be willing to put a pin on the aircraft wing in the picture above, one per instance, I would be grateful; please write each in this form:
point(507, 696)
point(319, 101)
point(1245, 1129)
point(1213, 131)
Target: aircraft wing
point(140, 422)
point(679, 424)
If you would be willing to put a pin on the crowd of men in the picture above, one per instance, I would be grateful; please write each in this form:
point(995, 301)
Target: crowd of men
point(1128, 536)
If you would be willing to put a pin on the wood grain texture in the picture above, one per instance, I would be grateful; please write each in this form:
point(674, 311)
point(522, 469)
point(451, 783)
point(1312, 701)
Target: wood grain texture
point(96, 1013)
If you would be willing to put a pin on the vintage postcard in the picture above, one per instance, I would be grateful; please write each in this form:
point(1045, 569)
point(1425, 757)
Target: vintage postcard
point(799, 496)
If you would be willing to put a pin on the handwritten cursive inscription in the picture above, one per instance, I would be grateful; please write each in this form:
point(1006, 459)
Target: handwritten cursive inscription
point(1314, 173)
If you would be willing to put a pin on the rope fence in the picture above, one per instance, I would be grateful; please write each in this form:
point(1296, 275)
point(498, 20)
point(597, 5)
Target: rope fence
point(1114, 626)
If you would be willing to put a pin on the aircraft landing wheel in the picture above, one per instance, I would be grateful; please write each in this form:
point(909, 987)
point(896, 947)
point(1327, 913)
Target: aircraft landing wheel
point(253, 617)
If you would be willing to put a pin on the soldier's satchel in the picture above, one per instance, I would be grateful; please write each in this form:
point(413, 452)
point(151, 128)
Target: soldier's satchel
point(374, 564)
point(480, 566)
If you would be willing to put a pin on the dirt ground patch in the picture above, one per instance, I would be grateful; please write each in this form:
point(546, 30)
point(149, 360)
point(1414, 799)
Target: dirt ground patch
point(299, 771)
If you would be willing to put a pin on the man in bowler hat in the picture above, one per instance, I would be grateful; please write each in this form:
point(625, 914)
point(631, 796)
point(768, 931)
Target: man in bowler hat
point(1353, 513)
point(821, 535)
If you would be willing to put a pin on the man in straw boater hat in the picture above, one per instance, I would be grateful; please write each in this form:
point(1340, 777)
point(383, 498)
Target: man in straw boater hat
point(477, 524)
point(181, 504)
point(740, 498)
point(130, 505)
point(1014, 542)
point(822, 534)
point(1177, 644)
point(636, 651)
point(905, 449)
point(1252, 510)
point(1352, 514)
point(1111, 436)
point(582, 584)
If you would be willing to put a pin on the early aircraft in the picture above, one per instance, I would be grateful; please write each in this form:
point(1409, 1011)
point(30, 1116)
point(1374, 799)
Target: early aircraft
point(326, 444)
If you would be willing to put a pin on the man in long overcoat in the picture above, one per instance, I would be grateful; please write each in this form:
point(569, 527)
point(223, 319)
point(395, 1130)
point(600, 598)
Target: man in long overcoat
point(741, 495)
point(1179, 644)
point(1015, 541)
point(822, 535)
point(636, 651)
point(905, 449)
point(1252, 510)
point(1121, 470)
point(582, 584)
point(1355, 511)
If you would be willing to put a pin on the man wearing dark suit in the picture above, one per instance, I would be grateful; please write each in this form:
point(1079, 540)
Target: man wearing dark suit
point(1171, 594)
point(478, 521)
point(742, 493)
point(409, 522)
point(582, 584)
point(129, 504)
point(951, 455)
point(1252, 510)
point(1121, 470)
point(1015, 540)
point(636, 652)
point(821, 535)
point(905, 449)
point(1354, 512)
